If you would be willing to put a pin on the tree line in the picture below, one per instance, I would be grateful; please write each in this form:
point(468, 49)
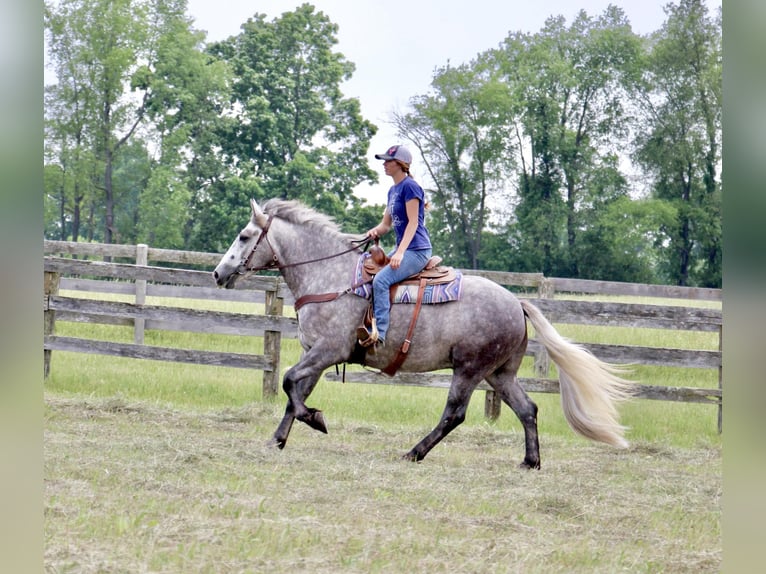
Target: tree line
point(530, 151)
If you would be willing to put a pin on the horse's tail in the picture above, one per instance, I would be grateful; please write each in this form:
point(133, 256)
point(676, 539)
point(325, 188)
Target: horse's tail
point(589, 387)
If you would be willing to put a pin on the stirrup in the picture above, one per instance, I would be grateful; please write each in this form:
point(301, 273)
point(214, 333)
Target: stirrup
point(367, 338)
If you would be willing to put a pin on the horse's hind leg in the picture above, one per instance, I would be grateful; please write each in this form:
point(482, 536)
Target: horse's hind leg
point(454, 414)
point(505, 383)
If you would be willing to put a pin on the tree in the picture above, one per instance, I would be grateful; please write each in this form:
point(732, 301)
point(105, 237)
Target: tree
point(102, 44)
point(680, 145)
point(69, 109)
point(188, 90)
point(569, 85)
point(459, 130)
point(119, 64)
point(288, 131)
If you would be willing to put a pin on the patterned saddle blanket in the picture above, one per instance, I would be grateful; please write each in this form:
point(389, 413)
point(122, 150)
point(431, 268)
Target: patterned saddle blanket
point(445, 285)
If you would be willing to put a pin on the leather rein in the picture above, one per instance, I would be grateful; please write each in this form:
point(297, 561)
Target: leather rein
point(275, 264)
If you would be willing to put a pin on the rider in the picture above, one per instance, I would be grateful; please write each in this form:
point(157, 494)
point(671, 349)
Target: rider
point(405, 212)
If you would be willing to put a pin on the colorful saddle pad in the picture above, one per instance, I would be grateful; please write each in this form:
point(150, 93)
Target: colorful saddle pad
point(434, 293)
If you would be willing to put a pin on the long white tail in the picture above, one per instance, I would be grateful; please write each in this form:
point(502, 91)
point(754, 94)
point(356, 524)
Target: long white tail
point(590, 388)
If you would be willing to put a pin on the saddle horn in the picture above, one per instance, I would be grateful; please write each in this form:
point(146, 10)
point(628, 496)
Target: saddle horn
point(378, 255)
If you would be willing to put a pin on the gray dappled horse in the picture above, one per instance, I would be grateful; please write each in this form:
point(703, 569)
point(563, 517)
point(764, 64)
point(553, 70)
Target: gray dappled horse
point(482, 336)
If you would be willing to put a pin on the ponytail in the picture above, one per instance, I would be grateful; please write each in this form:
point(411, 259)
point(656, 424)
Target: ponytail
point(404, 166)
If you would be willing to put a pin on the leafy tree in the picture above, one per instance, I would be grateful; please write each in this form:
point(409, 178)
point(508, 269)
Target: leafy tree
point(459, 130)
point(623, 241)
point(188, 90)
point(103, 45)
point(69, 108)
point(680, 145)
point(569, 85)
point(123, 68)
point(55, 184)
point(132, 171)
point(288, 127)
point(361, 218)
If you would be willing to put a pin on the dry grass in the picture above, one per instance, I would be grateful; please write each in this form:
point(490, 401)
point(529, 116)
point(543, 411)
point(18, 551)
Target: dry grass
point(137, 487)
point(163, 468)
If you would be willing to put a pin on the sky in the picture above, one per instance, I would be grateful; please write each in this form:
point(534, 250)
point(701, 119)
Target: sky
point(396, 49)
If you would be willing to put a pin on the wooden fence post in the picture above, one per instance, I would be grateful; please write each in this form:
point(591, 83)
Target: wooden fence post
point(51, 287)
point(142, 258)
point(542, 362)
point(272, 341)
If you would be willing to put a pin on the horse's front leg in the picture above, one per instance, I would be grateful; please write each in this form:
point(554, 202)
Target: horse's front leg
point(283, 430)
point(312, 417)
point(298, 383)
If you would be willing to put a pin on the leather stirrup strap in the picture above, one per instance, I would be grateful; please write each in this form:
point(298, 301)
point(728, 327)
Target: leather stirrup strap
point(394, 365)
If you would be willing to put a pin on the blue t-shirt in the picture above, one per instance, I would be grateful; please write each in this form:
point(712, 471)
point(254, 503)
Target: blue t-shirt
point(398, 196)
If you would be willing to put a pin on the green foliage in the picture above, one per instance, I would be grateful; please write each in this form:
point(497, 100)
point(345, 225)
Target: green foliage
point(681, 146)
point(152, 135)
point(132, 172)
point(221, 212)
point(288, 125)
point(622, 241)
point(163, 212)
point(121, 66)
point(360, 219)
point(285, 98)
point(460, 131)
point(569, 85)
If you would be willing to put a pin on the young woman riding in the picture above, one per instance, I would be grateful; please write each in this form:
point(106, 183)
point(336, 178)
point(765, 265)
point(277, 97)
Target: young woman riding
point(405, 212)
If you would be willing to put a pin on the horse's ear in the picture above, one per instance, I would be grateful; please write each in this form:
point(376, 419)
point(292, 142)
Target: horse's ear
point(258, 216)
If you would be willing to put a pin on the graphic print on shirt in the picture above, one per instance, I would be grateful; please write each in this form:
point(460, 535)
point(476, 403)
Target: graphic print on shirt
point(395, 221)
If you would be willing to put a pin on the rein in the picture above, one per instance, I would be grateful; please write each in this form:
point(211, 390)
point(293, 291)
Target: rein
point(275, 264)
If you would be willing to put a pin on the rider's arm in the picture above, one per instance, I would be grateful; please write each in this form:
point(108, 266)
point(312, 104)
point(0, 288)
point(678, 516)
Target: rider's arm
point(383, 227)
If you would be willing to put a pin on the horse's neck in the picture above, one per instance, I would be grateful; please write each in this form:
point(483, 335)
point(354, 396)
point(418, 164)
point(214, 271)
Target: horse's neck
point(315, 263)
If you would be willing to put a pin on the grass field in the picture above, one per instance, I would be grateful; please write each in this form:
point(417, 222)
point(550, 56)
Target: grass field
point(163, 467)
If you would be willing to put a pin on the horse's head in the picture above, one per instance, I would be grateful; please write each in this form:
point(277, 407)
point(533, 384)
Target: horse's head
point(246, 252)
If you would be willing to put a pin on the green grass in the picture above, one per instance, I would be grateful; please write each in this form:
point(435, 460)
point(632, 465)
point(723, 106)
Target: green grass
point(163, 467)
point(177, 385)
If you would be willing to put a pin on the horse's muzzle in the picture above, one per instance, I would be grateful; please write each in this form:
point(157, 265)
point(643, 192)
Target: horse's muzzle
point(226, 282)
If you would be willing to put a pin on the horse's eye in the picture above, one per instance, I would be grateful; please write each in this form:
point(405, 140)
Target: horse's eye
point(243, 238)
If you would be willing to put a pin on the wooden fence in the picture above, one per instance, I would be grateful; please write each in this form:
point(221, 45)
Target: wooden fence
point(139, 279)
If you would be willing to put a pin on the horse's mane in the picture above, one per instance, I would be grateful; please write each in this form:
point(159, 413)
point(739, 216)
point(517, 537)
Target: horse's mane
point(296, 212)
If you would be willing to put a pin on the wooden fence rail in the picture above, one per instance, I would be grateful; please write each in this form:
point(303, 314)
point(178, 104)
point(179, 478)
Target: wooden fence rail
point(140, 280)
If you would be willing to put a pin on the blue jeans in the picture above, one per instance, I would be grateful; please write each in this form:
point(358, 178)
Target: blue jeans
point(412, 262)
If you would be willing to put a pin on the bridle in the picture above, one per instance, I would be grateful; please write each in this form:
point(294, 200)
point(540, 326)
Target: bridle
point(275, 261)
point(275, 264)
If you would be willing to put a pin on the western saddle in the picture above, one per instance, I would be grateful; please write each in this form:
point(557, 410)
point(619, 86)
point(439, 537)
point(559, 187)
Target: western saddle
point(432, 274)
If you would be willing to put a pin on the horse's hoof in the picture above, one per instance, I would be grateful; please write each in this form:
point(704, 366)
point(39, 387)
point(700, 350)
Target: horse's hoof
point(411, 457)
point(315, 420)
point(275, 442)
point(530, 465)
